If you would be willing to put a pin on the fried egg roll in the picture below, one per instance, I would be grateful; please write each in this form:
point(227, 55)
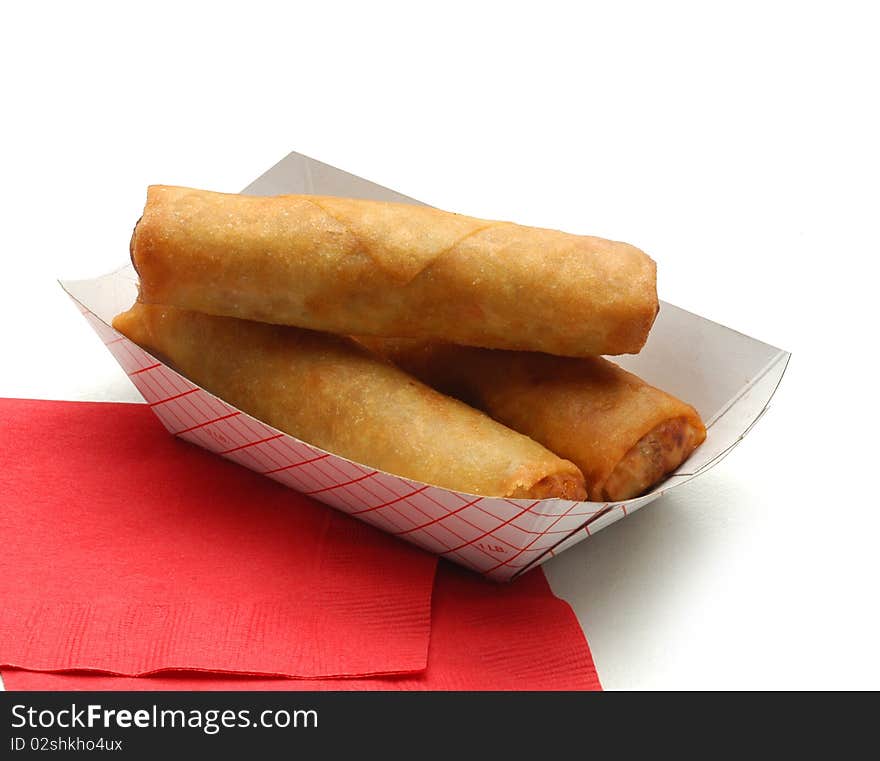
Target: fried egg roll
point(623, 434)
point(332, 393)
point(390, 269)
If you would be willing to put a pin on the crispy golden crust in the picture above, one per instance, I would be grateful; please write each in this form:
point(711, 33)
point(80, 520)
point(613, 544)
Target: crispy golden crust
point(386, 269)
point(623, 434)
point(332, 393)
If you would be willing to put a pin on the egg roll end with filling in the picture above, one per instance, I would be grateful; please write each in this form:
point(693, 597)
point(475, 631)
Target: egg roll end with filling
point(657, 454)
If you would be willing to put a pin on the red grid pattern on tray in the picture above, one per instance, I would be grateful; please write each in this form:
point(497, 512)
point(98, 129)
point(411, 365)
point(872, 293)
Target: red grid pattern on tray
point(605, 518)
point(494, 536)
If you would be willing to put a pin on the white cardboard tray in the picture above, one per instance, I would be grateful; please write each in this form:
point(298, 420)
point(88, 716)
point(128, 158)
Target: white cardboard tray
point(727, 376)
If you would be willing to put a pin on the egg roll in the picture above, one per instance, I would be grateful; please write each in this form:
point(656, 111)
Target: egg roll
point(624, 434)
point(389, 269)
point(332, 393)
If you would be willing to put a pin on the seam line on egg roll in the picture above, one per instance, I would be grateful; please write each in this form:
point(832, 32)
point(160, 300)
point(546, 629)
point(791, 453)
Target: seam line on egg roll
point(446, 251)
point(428, 264)
point(344, 225)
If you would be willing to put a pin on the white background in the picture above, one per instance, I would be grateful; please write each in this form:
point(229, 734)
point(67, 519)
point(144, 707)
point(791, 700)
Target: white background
point(738, 147)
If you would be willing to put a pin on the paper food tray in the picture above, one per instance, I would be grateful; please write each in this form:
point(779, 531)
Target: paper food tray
point(727, 376)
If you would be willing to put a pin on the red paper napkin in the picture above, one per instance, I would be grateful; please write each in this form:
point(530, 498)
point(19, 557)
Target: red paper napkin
point(485, 636)
point(129, 551)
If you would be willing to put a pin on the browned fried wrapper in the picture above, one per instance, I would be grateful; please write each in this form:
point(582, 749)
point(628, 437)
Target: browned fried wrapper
point(389, 269)
point(332, 393)
point(623, 434)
